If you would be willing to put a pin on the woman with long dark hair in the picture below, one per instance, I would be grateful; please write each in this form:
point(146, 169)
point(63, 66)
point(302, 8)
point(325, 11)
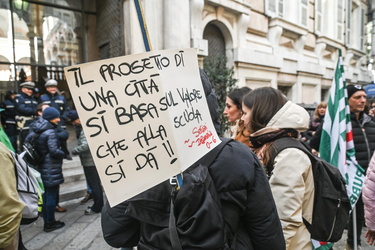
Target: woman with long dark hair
point(268, 116)
point(233, 113)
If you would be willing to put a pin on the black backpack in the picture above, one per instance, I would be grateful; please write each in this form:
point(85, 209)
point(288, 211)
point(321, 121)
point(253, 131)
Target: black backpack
point(204, 214)
point(331, 202)
point(32, 156)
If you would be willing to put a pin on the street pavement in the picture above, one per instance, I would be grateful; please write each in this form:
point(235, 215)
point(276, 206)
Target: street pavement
point(80, 232)
point(340, 245)
point(84, 232)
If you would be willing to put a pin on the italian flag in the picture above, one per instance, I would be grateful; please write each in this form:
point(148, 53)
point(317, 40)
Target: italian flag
point(336, 144)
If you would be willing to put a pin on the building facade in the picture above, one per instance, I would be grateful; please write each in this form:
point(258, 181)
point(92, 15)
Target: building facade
point(291, 45)
point(39, 38)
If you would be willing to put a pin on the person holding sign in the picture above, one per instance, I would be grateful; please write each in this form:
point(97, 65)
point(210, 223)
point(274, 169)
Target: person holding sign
point(246, 206)
point(89, 168)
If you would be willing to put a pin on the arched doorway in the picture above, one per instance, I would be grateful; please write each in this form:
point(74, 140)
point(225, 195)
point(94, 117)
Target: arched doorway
point(216, 41)
point(216, 63)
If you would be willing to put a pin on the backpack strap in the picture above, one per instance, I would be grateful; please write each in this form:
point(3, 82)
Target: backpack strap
point(34, 137)
point(31, 143)
point(211, 156)
point(206, 160)
point(15, 158)
point(175, 240)
point(284, 143)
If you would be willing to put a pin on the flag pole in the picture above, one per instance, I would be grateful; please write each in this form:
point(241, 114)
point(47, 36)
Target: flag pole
point(354, 217)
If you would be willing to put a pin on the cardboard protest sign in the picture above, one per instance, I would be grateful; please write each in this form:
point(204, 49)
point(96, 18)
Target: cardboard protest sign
point(145, 118)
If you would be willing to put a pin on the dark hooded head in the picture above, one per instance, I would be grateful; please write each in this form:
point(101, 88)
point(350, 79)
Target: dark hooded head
point(211, 100)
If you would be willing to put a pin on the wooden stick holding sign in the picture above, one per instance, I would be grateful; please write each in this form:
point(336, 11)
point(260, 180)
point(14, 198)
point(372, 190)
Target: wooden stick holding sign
point(146, 40)
point(145, 117)
point(143, 25)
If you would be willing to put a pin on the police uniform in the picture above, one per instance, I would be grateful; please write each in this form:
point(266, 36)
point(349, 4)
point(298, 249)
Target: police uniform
point(56, 100)
point(9, 119)
point(25, 107)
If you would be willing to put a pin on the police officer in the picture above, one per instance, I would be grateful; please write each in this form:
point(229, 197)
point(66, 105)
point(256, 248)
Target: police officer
point(36, 94)
point(25, 106)
point(8, 118)
point(54, 99)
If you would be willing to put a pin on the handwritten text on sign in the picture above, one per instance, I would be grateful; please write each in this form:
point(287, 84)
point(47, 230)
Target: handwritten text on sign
point(145, 117)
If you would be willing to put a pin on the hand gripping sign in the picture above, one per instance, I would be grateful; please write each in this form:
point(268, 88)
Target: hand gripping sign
point(145, 117)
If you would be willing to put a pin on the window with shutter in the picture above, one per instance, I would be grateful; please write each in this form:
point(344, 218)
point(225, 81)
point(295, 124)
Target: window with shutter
point(281, 8)
point(275, 8)
point(271, 7)
point(362, 29)
point(318, 16)
point(340, 21)
point(304, 13)
point(348, 22)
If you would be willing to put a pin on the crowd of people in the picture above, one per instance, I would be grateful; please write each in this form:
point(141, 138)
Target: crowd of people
point(263, 203)
point(256, 118)
point(27, 117)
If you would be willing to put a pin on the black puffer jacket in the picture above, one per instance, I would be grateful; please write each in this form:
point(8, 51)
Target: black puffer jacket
point(61, 133)
point(364, 138)
point(247, 205)
point(248, 208)
point(48, 145)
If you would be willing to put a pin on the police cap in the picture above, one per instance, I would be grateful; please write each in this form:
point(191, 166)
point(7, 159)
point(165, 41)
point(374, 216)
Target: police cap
point(29, 85)
point(50, 83)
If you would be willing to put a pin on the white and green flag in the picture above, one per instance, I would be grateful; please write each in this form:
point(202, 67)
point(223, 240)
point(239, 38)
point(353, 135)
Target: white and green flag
point(336, 144)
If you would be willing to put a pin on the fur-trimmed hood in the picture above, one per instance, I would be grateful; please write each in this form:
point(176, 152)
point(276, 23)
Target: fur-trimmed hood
point(290, 115)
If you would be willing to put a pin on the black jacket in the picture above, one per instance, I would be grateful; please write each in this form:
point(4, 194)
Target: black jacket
point(315, 139)
point(364, 138)
point(48, 145)
point(247, 205)
point(61, 133)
